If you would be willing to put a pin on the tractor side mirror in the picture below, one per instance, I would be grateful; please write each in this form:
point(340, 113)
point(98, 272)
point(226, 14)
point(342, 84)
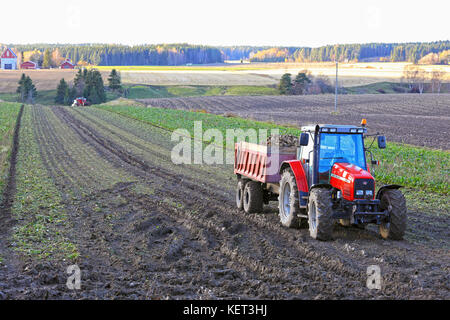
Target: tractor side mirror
point(304, 139)
point(382, 142)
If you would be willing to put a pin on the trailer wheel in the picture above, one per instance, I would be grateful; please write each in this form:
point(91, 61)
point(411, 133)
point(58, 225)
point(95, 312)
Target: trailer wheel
point(240, 194)
point(319, 212)
point(393, 200)
point(288, 203)
point(252, 197)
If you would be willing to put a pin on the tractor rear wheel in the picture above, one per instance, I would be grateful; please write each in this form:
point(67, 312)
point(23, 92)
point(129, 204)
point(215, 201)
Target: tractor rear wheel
point(394, 201)
point(288, 203)
point(319, 212)
point(240, 194)
point(252, 197)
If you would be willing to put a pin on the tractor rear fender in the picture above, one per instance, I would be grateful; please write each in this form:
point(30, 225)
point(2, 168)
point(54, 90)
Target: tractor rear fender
point(299, 173)
point(388, 186)
point(300, 178)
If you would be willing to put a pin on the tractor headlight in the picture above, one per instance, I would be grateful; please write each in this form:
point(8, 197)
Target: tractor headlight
point(369, 193)
point(353, 130)
point(359, 192)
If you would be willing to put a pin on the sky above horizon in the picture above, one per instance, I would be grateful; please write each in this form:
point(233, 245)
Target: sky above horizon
point(210, 22)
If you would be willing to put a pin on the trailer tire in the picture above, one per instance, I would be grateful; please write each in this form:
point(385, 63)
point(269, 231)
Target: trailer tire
point(288, 202)
point(240, 194)
point(253, 197)
point(320, 214)
point(395, 228)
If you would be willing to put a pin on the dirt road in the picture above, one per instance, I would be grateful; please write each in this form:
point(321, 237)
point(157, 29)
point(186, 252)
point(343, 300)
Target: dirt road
point(146, 228)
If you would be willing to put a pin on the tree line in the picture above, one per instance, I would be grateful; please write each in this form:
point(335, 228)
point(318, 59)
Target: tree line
point(395, 52)
point(120, 55)
point(47, 55)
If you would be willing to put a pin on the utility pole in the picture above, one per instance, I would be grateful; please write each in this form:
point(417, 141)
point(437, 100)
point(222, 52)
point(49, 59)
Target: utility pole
point(336, 88)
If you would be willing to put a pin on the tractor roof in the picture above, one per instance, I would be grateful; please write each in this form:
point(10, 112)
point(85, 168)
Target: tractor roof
point(339, 128)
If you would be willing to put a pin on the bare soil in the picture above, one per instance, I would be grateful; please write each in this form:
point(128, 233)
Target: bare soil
point(148, 229)
point(421, 120)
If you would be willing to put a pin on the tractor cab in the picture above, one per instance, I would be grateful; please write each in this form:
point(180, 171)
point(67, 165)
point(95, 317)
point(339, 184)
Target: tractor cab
point(324, 145)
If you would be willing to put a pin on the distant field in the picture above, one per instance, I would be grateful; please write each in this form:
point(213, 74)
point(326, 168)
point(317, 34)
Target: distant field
point(258, 74)
point(350, 74)
point(43, 79)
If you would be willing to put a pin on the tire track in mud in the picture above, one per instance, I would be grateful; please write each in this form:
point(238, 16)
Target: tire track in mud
point(350, 273)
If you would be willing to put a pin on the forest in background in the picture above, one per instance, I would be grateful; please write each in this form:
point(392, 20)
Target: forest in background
point(48, 55)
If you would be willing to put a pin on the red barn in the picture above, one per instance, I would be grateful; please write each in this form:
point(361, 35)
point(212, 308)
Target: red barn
point(67, 64)
point(28, 65)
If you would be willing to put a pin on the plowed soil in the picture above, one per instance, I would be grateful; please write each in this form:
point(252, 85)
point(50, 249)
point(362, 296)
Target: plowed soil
point(148, 229)
point(421, 120)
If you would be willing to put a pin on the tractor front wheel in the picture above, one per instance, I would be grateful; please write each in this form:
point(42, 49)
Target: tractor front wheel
point(319, 212)
point(394, 201)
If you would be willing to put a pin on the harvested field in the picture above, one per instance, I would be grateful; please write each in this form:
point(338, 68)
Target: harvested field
point(146, 228)
point(421, 120)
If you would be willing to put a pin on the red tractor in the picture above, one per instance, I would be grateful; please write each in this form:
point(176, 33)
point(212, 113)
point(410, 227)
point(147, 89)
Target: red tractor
point(324, 180)
point(80, 102)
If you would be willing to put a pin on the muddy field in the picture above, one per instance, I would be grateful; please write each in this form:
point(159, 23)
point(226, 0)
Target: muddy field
point(421, 120)
point(147, 229)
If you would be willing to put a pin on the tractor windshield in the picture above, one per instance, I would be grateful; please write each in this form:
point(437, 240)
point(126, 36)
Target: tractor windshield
point(336, 147)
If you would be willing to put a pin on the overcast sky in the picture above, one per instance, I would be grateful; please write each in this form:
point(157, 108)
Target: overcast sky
point(227, 22)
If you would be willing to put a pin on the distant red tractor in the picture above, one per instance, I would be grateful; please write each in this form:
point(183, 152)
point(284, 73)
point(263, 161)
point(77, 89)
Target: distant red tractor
point(325, 179)
point(80, 101)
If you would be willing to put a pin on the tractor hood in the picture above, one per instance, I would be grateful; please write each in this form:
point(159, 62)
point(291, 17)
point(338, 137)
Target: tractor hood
point(349, 178)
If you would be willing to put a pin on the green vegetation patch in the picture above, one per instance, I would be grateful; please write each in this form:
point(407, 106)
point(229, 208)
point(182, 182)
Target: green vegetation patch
point(415, 167)
point(38, 207)
point(148, 92)
point(8, 118)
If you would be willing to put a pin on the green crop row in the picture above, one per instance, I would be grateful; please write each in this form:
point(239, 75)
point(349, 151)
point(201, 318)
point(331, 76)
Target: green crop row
point(8, 118)
point(38, 208)
point(415, 167)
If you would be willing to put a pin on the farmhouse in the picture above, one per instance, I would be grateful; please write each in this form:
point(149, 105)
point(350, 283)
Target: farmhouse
point(67, 64)
point(28, 65)
point(8, 59)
